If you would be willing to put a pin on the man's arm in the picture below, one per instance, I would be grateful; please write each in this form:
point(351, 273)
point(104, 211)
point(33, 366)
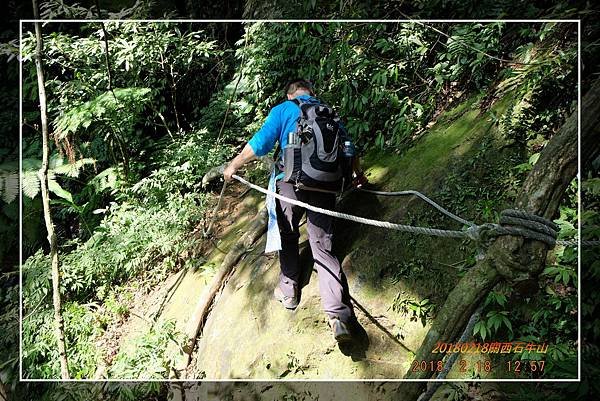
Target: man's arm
point(246, 155)
point(358, 176)
point(259, 145)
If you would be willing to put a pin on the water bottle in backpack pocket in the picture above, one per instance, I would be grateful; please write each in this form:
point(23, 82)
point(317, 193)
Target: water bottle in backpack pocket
point(292, 158)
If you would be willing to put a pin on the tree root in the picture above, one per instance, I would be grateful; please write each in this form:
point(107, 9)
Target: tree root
point(256, 229)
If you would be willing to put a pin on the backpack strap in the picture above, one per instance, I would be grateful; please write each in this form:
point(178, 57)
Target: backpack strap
point(304, 106)
point(276, 155)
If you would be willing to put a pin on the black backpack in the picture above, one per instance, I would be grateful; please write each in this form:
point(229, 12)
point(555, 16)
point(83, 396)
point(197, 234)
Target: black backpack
point(316, 157)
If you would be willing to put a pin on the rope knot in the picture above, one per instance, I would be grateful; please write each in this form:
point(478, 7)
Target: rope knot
point(481, 233)
point(474, 233)
point(527, 225)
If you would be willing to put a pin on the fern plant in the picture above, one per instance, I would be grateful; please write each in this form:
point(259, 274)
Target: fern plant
point(57, 167)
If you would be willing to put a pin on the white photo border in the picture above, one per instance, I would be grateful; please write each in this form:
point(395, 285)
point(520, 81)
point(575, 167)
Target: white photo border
point(248, 21)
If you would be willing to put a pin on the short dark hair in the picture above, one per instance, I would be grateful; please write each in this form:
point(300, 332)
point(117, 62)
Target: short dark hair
point(298, 83)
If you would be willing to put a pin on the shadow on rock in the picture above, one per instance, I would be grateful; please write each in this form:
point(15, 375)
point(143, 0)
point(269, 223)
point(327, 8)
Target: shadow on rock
point(358, 346)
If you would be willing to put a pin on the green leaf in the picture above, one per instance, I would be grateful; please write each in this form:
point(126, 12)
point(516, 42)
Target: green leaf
point(534, 158)
point(497, 322)
point(31, 184)
point(565, 277)
point(480, 329)
point(507, 323)
point(72, 169)
point(56, 189)
point(9, 186)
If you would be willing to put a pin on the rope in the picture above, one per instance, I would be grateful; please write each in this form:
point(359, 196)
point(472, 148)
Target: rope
point(214, 213)
point(426, 396)
point(424, 198)
point(376, 223)
point(532, 225)
point(530, 216)
point(519, 223)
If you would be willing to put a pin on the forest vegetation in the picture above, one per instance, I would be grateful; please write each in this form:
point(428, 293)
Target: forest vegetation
point(139, 112)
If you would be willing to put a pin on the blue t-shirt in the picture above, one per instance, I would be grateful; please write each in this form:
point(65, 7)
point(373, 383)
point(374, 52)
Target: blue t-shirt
point(281, 120)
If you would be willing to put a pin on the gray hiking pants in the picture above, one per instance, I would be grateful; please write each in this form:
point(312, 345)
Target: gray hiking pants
point(333, 286)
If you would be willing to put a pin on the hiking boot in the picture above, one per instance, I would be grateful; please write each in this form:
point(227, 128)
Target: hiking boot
point(287, 302)
point(341, 333)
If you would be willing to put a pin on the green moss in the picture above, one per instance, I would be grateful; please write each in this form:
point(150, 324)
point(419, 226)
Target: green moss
point(425, 162)
point(388, 262)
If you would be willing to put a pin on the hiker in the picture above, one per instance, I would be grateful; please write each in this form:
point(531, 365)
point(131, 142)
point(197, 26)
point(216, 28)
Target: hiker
point(281, 126)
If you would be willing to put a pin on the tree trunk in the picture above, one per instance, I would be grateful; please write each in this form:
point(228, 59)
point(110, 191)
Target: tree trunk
point(43, 176)
point(174, 97)
point(510, 257)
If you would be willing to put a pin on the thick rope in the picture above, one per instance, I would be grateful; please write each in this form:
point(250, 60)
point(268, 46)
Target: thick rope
point(532, 225)
point(530, 216)
point(498, 230)
point(525, 224)
point(376, 223)
point(424, 198)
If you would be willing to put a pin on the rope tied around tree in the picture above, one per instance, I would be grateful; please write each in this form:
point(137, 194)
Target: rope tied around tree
point(519, 223)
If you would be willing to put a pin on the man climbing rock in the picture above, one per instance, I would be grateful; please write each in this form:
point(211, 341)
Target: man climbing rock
point(283, 125)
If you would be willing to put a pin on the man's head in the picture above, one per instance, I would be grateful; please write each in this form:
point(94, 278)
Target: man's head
point(297, 87)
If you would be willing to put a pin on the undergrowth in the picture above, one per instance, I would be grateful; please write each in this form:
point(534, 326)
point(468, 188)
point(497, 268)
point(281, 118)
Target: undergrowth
point(145, 237)
point(149, 356)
